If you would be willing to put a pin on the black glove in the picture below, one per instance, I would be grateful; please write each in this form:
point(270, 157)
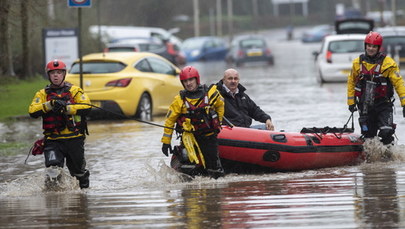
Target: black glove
point(58, 106)
point(166, 148)
point(403, 111)
point(352, 108)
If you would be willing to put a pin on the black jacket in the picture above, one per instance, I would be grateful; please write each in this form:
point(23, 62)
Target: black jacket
point(241, 109)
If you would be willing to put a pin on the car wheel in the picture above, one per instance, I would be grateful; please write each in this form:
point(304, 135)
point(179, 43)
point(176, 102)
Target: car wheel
point(228, 60)
point(144, 110)
point(271, 62)
point(238, 63)
point(320, 79)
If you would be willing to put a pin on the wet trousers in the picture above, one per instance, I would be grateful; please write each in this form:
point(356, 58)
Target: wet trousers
point(379, 120)
point(209, 148)
point(56, 151)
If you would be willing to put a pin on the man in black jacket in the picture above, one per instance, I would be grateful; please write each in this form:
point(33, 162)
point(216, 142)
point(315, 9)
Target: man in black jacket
point(239, 107)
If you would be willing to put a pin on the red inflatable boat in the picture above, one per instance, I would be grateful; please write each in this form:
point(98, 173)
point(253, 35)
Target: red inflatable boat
point(247, 150)
point(251, 150)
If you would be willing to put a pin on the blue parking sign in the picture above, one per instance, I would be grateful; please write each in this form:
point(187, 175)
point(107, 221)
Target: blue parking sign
point(79, 3)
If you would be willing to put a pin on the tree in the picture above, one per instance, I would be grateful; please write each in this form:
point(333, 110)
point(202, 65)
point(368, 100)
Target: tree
point(6, 58)
point(26, 67)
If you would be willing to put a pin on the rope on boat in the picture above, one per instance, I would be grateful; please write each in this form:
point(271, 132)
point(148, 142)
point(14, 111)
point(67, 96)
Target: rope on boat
point(333, 130)
point(123, 116)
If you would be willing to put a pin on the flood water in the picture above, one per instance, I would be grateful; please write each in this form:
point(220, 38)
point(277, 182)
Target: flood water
point(131, 185)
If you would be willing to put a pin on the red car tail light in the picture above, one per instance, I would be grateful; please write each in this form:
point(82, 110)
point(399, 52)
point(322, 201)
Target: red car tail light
point(268, 52)
point(119, 83)
point(240, 53)
point(329, 57)
point(171, 49)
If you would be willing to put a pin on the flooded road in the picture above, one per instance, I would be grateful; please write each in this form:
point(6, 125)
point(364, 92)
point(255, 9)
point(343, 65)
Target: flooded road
point(131, 185)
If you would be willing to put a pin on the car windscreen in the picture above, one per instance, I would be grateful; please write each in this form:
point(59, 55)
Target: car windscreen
point(346, 46)
point(98, 67)
point(362, 26)
point(397, 40)
point(253, 43)
point(122, 49)
point(394, 44)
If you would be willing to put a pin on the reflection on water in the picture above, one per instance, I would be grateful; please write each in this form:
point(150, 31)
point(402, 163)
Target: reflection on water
point(46, 211)
point(378, 203)
point(367, 196)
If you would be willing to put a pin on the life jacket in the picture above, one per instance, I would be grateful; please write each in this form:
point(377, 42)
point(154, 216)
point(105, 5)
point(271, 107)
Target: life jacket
point(383, 87)
point(56, 122)
point(204, 119)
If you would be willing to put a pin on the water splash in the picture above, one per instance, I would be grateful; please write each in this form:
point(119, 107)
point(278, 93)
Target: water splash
point(376, 151)
point(58, 180)
point(166, 174)
point(35, 184)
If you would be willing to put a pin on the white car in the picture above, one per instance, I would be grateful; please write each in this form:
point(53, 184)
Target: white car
point(112, 33)
point(394, 42)
point(334, 61)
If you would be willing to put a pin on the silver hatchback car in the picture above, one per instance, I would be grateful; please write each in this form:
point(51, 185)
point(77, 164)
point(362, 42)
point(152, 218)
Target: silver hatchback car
point(334, 61)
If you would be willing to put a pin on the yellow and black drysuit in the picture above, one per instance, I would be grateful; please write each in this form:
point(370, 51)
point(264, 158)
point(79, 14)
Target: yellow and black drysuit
point(64, 130)
point(371, 86)
point(204, 110)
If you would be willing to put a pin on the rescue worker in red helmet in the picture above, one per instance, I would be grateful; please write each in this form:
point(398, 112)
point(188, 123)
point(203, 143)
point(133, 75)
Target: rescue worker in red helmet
point(63, 108)
point(370, 90)
point(204, 106)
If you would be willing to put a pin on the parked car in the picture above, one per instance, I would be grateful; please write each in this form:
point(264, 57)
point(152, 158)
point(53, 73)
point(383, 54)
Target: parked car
point(163, 48)
point(134, 84)
point(111, 33)
point(204, 48)
point(354, 26)
point(249, 48)
point(333, 62)
point(394, 42)
point(317, 33)
point(136, 44)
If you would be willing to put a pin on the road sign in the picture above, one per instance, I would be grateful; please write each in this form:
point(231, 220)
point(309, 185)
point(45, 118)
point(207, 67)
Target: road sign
point(79, 3)
point(61, 44)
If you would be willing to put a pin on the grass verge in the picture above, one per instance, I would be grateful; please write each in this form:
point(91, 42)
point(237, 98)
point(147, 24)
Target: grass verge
point(17, 95)
point(12, 148)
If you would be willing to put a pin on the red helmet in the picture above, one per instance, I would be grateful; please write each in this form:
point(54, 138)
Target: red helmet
point(54, 65)
point(374, 38)
point(189, 72)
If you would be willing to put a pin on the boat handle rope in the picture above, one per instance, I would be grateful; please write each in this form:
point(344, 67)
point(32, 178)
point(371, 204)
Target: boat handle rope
point(350, 118)
point(123, 116)
point(146, 122)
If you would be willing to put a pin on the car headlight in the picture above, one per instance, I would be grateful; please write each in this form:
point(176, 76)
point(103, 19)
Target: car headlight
point(195, 53)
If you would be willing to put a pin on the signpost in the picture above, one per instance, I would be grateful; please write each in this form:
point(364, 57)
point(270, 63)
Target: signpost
point(79, 4)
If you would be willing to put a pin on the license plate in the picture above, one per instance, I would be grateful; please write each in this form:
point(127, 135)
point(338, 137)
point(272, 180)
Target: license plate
point(346, 72)
point(255, 53)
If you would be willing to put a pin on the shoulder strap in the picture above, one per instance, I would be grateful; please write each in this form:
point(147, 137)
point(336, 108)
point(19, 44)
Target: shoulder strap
point(361, 59)
point(182, 94)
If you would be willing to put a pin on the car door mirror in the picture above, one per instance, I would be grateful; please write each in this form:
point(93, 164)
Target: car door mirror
point(315, 54)
point(176, 72)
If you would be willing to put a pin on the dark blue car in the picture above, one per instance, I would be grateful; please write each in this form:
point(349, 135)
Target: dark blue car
point(317, 33)
point(204, 48)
